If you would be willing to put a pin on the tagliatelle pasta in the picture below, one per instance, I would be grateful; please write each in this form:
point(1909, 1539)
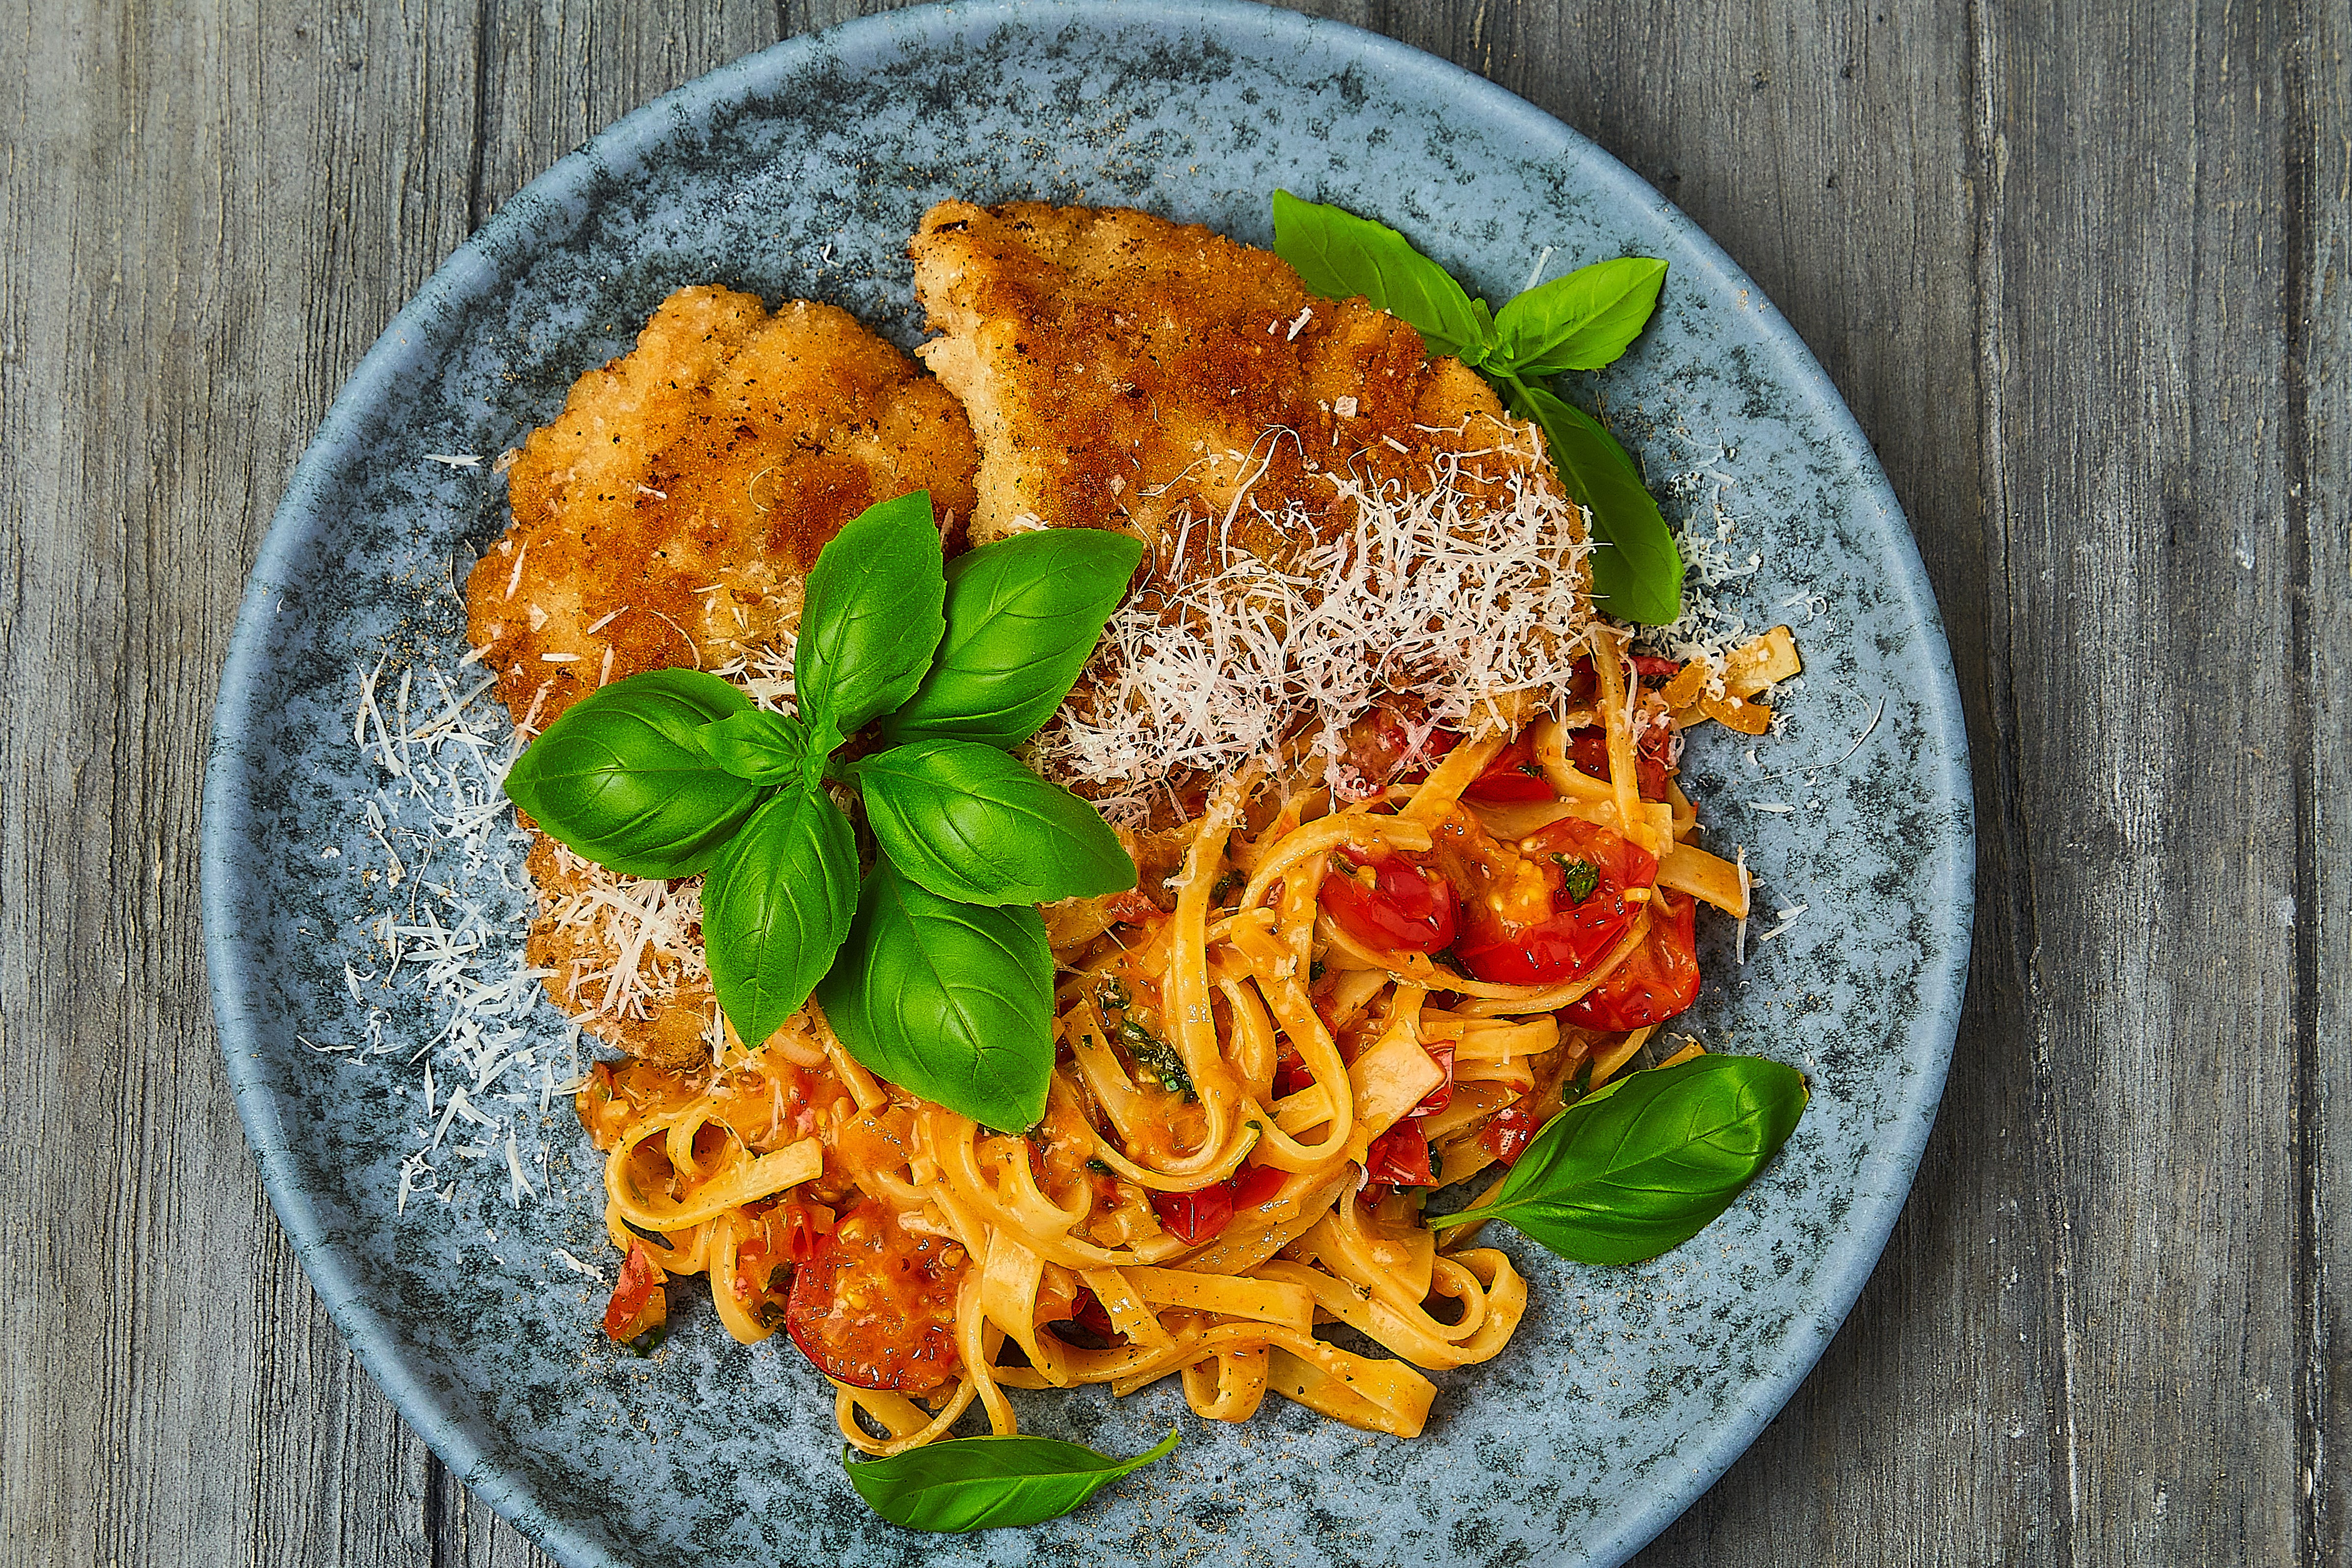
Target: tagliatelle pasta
point(1336, 1007)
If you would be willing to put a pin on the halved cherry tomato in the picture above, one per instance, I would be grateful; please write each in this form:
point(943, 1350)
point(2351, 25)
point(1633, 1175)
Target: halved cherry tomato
point(784, 1235)
point(1506, 1136)
point(1196, 1217)
point(875, 1305)
point(1400, 1157)
point(1408, 909)
point(1657, 981)
point(1577, 933)
point(639, 1304)
point(1438, 1098)
point(1588, 753)
point(1646, 666)
point(1514, 775)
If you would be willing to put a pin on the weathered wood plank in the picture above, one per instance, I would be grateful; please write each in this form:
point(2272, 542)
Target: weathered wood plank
point(555, 75)
point(2317, 105)
point(2136, 385)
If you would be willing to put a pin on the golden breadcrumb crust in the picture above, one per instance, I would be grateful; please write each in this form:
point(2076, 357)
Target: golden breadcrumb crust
point(1121, 371)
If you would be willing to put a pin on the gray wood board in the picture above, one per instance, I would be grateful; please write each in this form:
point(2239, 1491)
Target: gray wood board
point(2081, 283)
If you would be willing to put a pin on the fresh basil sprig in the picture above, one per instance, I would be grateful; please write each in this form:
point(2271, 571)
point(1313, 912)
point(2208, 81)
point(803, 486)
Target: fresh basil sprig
point(763, 748)
point(980, 1483)
point(1640, 1166)
point(938, 976)
point(777, 904)
point(1580, 322)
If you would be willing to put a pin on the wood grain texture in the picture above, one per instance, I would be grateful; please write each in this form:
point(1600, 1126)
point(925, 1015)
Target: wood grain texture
point(2083, 285)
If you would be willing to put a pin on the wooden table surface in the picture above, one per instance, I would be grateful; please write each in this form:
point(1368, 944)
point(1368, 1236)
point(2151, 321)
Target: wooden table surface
point(2082, 280)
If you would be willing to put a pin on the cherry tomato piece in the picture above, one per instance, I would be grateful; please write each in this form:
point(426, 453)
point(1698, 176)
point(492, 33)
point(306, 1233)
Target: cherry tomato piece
point(1400, 1157)
point(1290, 1074)
point(1506, 1136)
point(875, 1304)
point(1514, 775)
point(1657, 981)
point(1381, 750)
point(1588, 753)
point(1578, 933)
point(1196, 1217)
point(1255, 1184)
point(1407, 908)
point(1089, 1312)
point(1648, 666)
point(1438, 1098)
point(639, 1304)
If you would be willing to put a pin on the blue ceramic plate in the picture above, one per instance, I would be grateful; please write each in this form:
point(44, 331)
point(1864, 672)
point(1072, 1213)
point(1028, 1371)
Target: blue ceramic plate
point(799, 172)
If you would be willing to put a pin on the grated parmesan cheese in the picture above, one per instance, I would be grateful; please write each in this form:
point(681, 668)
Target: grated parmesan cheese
point(1465, 602)
point(441, 750)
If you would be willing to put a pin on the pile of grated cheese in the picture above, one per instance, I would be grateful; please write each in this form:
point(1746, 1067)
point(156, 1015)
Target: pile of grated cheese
point(1432, 591)
point(442, 750)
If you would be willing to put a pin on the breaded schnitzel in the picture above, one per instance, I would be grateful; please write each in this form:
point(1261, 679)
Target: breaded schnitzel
point(1274, 449)
point(667, 517)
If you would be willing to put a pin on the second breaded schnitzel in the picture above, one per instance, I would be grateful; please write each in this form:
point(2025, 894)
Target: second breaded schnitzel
point(1335, 518)
point(668, 517)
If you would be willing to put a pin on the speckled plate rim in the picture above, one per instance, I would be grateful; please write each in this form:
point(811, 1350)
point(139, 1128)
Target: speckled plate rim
point(408, 341)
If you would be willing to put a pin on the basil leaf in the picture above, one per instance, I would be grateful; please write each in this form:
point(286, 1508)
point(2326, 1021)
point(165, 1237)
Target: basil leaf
point(623, 779)
point(968, 823)
point(1024, 615)
point(1582, 321)
point(1340, 256)
point(872, 617)
point(1637, 572)
point(776, 906)
point(949, 1000)
point(763, 747)
point(980, 1483)
point(1642, 1166)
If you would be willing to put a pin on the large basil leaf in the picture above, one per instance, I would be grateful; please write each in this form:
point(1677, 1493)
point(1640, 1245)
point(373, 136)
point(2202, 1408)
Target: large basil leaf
point(1340, 256)
point(776, 906)
point(949, 1000)
point(623, 780)
point(1582, 321)
point(1024, 615)
point(764, 748)
point(1637, 572)
point(980, 1483)
point(1646, 1163)
point(872, 617)
point(968, 823)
